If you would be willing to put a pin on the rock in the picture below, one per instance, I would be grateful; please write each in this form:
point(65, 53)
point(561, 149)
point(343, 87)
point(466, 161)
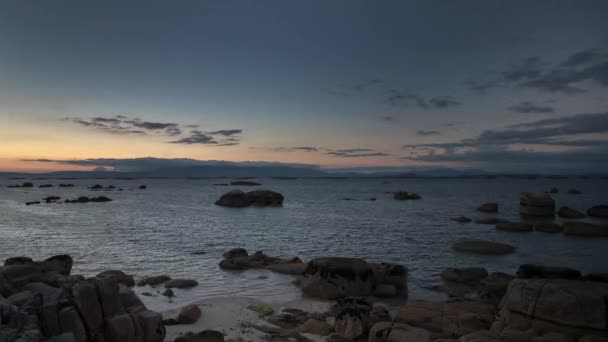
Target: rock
point(258, 198)
point(386, 291)
point(293, 268)
point(189, 314)
point(51, 199)
point(493, 288)
point(549, 272)
point(461, 219)
point(180, 283)
point(585, 229)
point(118, 277)
point(599, 211)
point(515, 226)
point(203, 336)
point(168, 293)
point(315, 327)
point(482, 247)
point(490, 220)
point(143, 187)
point(379, 314)
point(599, 277)
point(332, 278)
point(567, 212)
point(535, 204)
point(45, 186)
point(548, 227)
point(61, 264)
point(490, 207)
point(32, 202)
point(574, 192)
point(352, 318)
point(96, 187)
point(262, 309)
point(245, 183)
point(153, 281)
point(18, 261)
point(470, 275)
point(481, 336)
point(66, 185)
point(85, 199)
point(404, 195)
point(238, 259)
point(593, 338)
point(235, 253)
point(24, 185)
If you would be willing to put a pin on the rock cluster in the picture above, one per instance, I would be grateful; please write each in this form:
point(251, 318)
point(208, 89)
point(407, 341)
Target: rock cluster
point(334, 277)
point(41, 301)
point(239, 259)
point(23, 185)
point(535, 204)
point(85, 199)
point(257, 198)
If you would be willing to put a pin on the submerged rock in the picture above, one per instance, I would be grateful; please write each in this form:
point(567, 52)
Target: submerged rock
point(181, 283)
point(536, 204)
point(490, 207)
point(482, 247)
point(85, 199)
point(404, 195)
point(238, 259)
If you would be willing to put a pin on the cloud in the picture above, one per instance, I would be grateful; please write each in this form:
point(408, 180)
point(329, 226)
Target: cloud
point(504, 145)
point(361, 86)
point(584, 57)
point(530, 68)
point(422, 132)
point(296, 149)
point(356, 153)
point(151, 163)
point(481, 87)
point(527, 107)
point(121, 124)
point(404, 99)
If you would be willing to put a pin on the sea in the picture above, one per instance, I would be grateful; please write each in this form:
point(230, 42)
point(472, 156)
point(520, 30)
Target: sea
point(173, 227)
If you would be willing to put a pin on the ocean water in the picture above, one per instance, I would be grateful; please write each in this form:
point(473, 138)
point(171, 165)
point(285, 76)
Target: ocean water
point(157, 230)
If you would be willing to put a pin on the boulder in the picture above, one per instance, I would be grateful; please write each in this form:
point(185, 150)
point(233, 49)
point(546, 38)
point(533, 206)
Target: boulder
point(536, 204)
point(548, 272)
point(235, 253)
point(180, 283)
point(557, 305)
point(490, 207)
point(599, 211)
point(154, 280)
point(585, 229)
point(203, 336)
point(189, 314)
point(334, 277)
point(515, 226)
point(258, 198)
point(118, 277)
point(482, 247)
point(548, 227)
point(567, 212)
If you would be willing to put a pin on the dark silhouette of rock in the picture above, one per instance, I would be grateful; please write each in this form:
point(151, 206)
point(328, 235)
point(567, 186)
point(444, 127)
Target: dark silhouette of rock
point(203, 336)
point(238, 259)
point(462, 219)
point(143, 187)
point(553, 190)
point(482, 247)
point(51, 199)
point(189, 314)
point(45, 186)
point(599, 211)
point(258, 198)
point(153, 281)
point(118, 277)
point(515, 226)
point(488, 207)
point(547, 272)
point(180, 283)
point(85, 199)
point(66, 185)
point(244, 183)
point(32, 202)
point(23, 185)
point(96, 187)
point(585, 229)
point(535, 204)
point(567, 212)
point(404, 195)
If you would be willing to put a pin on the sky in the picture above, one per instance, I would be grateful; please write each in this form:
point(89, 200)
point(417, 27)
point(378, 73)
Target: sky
point(510, 86)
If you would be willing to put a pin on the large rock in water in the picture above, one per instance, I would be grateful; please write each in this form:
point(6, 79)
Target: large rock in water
point(536, 204)
point(238, 259)
point(567, 212)
point(600, 211)
point(332, 278)
point(45, 301)
point(491, 207)
point(556, 305)
point(258, 198)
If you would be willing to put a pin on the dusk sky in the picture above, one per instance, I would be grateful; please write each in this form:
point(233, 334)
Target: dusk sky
point(496, 85)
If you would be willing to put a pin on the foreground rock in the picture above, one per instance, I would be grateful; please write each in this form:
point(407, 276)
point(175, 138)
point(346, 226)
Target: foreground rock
point(189, 314)
point(41, 301)
point(585, 229)
point(334, 277)
point(482, 247)
point(536, 204)
point(488, 207)
point(475, 283)
point(600, 211)
point(257, 198)
point(567, 212)
point(239, 259)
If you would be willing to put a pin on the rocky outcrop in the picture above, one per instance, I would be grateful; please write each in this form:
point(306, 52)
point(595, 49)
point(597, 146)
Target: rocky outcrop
point(482, 247)
point(599, 211)
point(572, 307)
point(239, 259)
point(244, 183)
point(334, 277)
point(404, 195)
point(567, 212)
point(536, 204)
point(585, 229)
point(257, 198)
point(488, 207)
point(41, 301)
